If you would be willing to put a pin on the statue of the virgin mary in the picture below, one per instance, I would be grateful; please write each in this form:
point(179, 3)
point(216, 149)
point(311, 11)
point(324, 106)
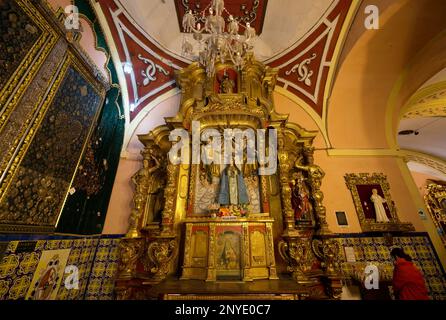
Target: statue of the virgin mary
point(232, 187)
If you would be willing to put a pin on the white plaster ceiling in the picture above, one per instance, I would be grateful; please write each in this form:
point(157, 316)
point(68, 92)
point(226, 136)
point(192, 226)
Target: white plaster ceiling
point(439, 77)
point(431, 138)
point(286, 21)
point(421, 168)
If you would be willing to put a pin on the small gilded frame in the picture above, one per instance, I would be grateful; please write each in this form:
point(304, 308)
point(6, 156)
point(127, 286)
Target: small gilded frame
point(362, 186)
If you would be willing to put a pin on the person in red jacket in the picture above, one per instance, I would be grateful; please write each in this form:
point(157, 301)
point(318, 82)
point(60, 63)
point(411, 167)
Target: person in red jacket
point(408, 282)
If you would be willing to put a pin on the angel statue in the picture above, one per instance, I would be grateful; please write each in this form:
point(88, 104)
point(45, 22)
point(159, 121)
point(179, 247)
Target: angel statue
point(233, 26)
point(188, 21)
point(250, 32)
point(149, 182)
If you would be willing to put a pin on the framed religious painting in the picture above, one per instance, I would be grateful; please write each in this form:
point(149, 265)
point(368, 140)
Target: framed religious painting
point(374, 205)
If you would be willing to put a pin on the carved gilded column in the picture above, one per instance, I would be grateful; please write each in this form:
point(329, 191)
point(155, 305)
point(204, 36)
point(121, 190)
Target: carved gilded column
point(187, 254)
point(264, 194)
point(315, 176)
point(170, 195)
point(212, 272)
point(246, 255)
point(270, 252)
point(284, 168)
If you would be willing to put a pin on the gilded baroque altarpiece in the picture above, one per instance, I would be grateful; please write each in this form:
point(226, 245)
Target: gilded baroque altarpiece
point(180, 229)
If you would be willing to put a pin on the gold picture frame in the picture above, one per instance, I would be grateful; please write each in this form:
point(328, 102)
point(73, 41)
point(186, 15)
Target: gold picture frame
point(361, 187)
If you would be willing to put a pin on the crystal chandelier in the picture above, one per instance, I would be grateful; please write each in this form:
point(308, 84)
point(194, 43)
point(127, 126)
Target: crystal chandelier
point(223, 42)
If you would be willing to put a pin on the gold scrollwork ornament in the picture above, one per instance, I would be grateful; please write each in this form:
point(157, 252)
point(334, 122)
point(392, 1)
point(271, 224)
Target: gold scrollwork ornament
point(329, 251)
point(160, 253)
point(298, 254)
point(130, 253)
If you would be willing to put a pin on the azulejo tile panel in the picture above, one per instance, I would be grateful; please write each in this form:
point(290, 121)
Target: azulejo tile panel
point(418, 246)
point(104, 270)
point(95, 258)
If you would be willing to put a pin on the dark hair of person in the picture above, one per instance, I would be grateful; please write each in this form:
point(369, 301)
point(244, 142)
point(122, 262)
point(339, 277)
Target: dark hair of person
point(399, 253)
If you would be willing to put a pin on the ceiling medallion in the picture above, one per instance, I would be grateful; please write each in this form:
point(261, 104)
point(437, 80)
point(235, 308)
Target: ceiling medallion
point(223, 40)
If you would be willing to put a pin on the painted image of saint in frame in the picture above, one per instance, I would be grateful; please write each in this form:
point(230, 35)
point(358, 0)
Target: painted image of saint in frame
point(48, 275)
point(374, 203)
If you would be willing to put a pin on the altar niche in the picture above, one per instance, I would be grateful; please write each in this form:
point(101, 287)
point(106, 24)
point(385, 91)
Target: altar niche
point(224, 189)
point(228, 235)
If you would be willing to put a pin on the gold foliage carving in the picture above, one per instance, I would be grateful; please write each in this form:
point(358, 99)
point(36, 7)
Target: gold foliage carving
point(160, 253)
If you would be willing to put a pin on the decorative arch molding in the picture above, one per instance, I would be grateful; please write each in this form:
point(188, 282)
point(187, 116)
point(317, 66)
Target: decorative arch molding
point(324, 42)
point(307, 68)
point(428, 62)
point(309, 110)
point(425, 159)
point(95, 46)
point(427, 102)
point(133, 126)
point(92, 50)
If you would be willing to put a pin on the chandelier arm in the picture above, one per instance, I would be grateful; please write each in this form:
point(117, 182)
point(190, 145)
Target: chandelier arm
point(220, 45)
point(231, 56)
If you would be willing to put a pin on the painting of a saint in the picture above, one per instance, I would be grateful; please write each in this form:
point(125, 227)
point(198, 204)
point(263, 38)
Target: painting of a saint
point(374, 204)
point(48, 275)
point(228, 258)
point(228, 254)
